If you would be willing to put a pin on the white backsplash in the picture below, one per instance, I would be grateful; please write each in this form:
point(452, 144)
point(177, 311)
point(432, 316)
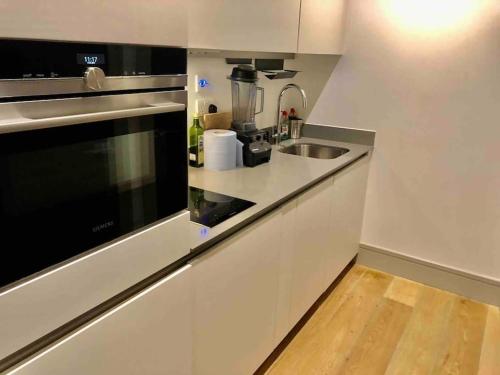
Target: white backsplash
point(314, 73)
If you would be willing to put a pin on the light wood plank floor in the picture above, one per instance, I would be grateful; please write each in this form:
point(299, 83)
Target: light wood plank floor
point(376, 323)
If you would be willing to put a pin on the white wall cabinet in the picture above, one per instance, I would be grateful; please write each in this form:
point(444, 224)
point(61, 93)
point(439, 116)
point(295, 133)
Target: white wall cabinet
point(156, 22)
point(303, 26)
point(236, 285)
point(321, 26)
point(242, 25)
point(149, 334)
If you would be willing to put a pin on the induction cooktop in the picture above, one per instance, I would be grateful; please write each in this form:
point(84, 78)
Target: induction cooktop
point(209, 208)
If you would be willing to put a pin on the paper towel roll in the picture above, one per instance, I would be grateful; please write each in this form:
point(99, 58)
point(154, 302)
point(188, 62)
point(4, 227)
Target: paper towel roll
point(220, 149)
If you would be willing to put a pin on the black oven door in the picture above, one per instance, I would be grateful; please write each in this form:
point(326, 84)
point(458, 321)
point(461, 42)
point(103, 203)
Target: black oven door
point(68, 189)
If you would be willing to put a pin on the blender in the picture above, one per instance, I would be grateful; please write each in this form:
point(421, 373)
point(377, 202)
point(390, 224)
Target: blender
point(256, 148)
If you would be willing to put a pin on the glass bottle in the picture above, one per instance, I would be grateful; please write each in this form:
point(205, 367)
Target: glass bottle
point(196, 156)
point(284, 125)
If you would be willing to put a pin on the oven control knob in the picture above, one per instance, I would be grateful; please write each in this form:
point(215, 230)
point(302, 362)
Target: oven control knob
point(94, 78)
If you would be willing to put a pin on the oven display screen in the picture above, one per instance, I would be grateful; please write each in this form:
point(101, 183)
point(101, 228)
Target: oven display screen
point(90, 58)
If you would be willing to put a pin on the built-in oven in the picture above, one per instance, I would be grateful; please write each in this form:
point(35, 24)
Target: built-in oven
point(92, 150)
point(100, 168)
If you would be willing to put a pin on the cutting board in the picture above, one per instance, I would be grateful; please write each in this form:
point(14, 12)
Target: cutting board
point(220, 120)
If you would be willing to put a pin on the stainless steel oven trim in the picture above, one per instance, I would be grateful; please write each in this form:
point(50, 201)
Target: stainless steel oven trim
point(10, 88)
point(40, 114)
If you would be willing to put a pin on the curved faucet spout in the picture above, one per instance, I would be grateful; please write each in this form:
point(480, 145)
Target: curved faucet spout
point(277, 130)
point(299, 89)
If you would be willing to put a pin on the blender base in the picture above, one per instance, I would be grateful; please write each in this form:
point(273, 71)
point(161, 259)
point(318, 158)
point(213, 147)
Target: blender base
point(256, 148)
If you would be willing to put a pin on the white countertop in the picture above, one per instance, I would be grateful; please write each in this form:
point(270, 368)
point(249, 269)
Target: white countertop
point(267, 185)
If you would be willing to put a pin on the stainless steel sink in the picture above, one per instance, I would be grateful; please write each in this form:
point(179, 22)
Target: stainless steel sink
point(312, 150)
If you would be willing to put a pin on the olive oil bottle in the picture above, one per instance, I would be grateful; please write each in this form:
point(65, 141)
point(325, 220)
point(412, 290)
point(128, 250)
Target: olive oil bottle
point(196, 156)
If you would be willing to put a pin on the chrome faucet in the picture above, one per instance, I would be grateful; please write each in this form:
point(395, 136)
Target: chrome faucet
point(277, 133)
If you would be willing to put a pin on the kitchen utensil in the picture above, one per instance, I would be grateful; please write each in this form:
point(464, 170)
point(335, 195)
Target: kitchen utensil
point(220, 149)
point(220, 120)
point(256, 148)
point(296, 128)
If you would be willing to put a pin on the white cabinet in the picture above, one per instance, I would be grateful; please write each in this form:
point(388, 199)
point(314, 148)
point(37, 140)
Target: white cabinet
point(236, 286)
point(321, 26)
point(312, 242)
point(149, 334)
point(257, 25)
point(321, 230)
point(156, 22)
point(226, 311)
point(288, 248)
point(347, 206)
point(34, 309)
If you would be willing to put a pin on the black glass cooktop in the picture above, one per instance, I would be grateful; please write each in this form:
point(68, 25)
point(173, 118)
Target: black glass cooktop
point(209, 208)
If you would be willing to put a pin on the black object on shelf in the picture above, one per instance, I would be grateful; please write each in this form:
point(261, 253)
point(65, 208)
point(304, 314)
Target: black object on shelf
point(238, 61)
point(274, 68)
point(269, 64)
point(280, 74)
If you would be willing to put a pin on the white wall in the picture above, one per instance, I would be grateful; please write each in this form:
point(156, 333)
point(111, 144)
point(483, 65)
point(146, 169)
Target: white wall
point(218, 92)
point(427, 79)
point(314, 72)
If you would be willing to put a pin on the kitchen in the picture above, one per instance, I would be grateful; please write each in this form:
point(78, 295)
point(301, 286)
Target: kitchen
point(337, 256)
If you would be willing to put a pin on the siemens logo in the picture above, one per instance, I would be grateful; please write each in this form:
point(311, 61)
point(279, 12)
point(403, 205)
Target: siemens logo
point(100, 227)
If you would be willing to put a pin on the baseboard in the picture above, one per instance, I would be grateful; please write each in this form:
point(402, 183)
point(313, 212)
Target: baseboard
point(469, 285)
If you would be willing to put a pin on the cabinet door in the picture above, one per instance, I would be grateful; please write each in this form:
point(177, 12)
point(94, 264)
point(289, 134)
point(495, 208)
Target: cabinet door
point(312, 224)
point(257, 25)
point(148, 334)
point(321, 26)
point(236, 286)
point(287, 252)
point(156, 22)
point(34, 309)
point(347, 206)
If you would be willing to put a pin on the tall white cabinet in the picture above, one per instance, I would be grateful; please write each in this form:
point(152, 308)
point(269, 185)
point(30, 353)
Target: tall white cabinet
point(149, 334)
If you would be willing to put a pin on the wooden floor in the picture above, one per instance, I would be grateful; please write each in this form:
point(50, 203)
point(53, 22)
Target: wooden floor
point(376, 323)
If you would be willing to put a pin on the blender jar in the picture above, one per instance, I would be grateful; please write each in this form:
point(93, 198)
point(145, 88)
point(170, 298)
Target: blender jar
point(244, 92)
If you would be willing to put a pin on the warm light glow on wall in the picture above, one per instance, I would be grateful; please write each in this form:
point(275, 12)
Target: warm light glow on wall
point(430, 15)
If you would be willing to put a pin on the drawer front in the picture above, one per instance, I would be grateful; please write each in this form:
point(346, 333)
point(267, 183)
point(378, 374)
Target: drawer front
point(40, 305)
point(148, 334)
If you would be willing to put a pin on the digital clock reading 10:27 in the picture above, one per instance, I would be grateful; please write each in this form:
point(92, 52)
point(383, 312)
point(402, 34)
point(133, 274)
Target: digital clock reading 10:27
point(90, 59)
